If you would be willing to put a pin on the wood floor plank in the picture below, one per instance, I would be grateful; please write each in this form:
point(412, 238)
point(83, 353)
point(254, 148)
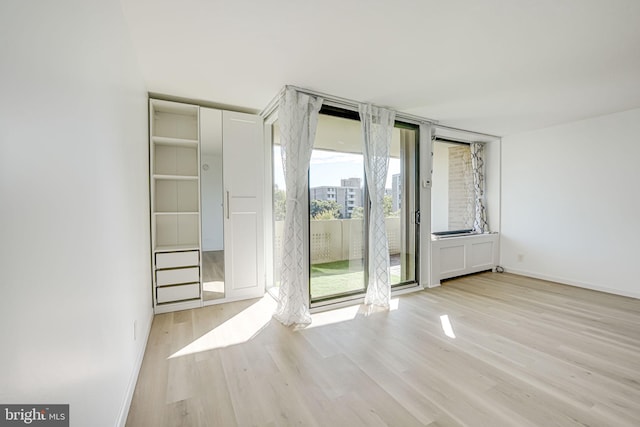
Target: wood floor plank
point(524, 352)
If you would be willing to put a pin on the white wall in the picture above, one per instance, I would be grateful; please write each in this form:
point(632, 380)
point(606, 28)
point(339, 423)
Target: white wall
point(211, 199)
point(74, 258)
point(571, 203)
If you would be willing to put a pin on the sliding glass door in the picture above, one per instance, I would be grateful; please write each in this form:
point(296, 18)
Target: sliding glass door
point(339, 207)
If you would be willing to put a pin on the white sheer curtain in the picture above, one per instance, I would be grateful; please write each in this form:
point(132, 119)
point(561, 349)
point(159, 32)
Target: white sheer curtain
point(298, 119)
point(480, 224)
point(377, 128)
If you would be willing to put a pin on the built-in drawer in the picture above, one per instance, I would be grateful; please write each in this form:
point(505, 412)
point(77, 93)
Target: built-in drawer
point(177, 276)
point(178, 293)
point(177, 259)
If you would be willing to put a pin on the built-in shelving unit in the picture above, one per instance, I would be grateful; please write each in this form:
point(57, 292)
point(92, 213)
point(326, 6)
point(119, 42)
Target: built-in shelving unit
point(205, 166)
point(175, 204)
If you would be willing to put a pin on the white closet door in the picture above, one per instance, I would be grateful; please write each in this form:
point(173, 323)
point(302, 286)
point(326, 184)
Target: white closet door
point(243, 153)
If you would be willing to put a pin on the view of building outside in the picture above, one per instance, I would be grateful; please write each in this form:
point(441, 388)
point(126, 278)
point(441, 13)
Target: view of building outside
point(348, 195)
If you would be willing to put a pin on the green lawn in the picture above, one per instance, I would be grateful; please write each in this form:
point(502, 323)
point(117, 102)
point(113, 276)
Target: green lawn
point(338, 277)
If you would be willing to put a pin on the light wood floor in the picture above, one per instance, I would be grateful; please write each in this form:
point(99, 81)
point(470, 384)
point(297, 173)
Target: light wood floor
point(525, 353)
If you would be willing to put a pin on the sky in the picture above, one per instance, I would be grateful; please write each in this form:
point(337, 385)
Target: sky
point(329, 167)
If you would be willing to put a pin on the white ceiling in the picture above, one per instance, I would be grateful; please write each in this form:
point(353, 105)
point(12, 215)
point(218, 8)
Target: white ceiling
point(495, 66)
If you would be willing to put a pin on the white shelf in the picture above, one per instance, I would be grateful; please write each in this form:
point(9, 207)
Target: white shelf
point(176, 213)
point(173, 195)
point(176, 177)
point(178, 160)
point(173, 120)
point(174, 248)
point(163, 140)
point(177, 230)
point(171, 107)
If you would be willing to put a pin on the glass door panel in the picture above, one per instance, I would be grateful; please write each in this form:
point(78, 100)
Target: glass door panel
point(279, 196)
point(337, 211)
point(400, 206)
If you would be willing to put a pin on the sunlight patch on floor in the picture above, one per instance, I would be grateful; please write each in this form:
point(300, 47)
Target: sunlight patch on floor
point(238, 329)
point(344, 314)
point(446, 326)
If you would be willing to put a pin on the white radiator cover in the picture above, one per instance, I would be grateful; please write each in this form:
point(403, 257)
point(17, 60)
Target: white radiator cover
point(460, 255)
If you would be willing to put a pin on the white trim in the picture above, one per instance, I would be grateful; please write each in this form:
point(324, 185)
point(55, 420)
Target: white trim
point(133, 380)
point(424, 185)
point(451, 128)
point(407, 290)
point(570, 282)
point(359, 299)
point(273, 105)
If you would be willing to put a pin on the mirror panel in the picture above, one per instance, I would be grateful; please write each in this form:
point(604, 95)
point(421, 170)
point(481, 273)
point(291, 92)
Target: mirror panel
point(212, 204)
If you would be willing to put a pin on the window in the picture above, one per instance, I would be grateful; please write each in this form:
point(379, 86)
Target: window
point(452, 196)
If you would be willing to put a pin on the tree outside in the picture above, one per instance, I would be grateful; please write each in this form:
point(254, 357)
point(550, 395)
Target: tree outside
point(279, 203)
point(358, 212)
point(324, 209)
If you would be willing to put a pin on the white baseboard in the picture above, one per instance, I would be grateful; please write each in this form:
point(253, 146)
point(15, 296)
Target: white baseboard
point(131, 388)
point(571, 282)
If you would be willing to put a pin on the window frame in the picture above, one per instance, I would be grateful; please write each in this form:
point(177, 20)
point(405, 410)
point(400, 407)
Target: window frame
point(457, 232)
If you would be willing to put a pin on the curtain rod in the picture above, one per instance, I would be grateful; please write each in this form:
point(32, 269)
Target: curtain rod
point(330, 99)
point(466, 131)
point(451, 141)
point(338, 102)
